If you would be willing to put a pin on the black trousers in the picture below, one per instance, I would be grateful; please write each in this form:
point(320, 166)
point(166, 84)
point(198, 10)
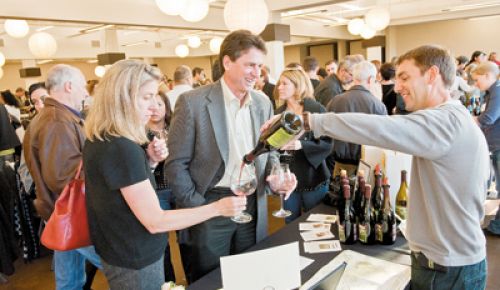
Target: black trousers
point(215, 238)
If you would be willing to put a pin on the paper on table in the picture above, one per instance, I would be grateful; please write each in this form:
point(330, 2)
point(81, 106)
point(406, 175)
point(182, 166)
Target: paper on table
point(325, 218)
point(316, 235)
point(322, 246)
point(304, 262)
point(277, 267)
point(364, 272)
point(314, 226)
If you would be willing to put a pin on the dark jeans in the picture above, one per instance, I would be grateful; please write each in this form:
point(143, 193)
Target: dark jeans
point(165, 198)
point(302, 201)
point(470, 277)
point(215, 238)
point(494, 225)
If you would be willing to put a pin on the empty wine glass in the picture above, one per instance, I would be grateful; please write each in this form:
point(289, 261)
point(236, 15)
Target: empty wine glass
point(243, 183)
point(280, 181)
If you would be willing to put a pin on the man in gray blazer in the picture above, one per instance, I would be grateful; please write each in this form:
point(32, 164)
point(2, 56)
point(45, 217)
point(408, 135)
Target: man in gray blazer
point(212, 128)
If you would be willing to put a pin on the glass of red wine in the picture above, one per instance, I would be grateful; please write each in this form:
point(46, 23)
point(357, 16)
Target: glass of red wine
point(243, 183)
point(280, 180)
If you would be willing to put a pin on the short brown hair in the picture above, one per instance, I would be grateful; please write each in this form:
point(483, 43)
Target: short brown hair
point(310, 63)
point(428, 55)
point(238, 42)
point(182, 73)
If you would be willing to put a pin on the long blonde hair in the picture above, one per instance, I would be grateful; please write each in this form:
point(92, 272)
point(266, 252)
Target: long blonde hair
point(301, 82)
point(114, 111)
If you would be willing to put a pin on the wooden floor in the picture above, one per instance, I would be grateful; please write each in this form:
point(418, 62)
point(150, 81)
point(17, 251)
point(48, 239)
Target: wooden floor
point(38, 276)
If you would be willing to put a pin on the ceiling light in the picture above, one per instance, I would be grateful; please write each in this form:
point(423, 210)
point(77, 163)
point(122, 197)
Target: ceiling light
point(99, 71)
point(302, 12)
point(355, 26)
point(215, 44)
point(194, 41)
point(246, 14)
point(182, 50)
point(367, 32)
point(378, 18)
point(170, 7)
point(92, 61)
point(16, 28)
point(195, 10)
point(42, 45)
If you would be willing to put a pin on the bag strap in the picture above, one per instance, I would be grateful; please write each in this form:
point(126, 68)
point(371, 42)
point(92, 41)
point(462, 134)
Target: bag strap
point(79, 170)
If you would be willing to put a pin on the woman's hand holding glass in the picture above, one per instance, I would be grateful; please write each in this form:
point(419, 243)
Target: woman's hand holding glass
point(231, 206)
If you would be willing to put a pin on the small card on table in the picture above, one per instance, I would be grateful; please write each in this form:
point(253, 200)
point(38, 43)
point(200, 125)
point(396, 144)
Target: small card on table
point(314, 226)
point(324, 218)
point(322, 246)
point(316, 235)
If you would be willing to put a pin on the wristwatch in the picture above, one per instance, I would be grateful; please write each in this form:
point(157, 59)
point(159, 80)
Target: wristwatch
point(305, 121)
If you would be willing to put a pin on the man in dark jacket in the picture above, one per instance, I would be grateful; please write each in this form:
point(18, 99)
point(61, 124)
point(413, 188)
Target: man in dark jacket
point(360, 100)
point(334, 84)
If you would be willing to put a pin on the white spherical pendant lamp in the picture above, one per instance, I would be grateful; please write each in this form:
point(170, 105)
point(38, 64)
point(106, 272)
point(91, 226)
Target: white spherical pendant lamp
point(246, 14)
point(194, 41)
point(16, 28)
point(2, 59)
point(195, 10)
point(182, 50)
point(378, 18)
point(170, 7)
point(100, 71)
point(367, 32)
point(42, 45)
point(355, 26)
point(215, 44)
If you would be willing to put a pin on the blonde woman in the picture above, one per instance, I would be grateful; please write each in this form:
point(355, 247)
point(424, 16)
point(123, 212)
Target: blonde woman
point(308, 154)
point(127, 225)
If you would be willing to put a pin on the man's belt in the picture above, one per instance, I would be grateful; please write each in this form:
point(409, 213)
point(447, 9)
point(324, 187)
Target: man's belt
point(424, 262)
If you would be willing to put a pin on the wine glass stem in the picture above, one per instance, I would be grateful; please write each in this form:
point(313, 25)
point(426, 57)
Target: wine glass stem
point(282, 200)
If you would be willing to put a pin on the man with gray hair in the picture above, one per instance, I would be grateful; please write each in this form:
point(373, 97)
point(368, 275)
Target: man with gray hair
point(53, 147)
point(183, 82)
point(358, 99)
point(334, 84)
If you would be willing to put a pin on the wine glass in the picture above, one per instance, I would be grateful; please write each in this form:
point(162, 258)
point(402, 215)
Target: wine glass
point(280, 180)
point(243, 183)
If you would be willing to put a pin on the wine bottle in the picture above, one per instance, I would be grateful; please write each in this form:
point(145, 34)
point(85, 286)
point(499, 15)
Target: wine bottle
point(377, 193)
point(347, 223)
point(359, 194)
point(366, 227)
point(402, 197)
point(385, 229)
point(275, 136)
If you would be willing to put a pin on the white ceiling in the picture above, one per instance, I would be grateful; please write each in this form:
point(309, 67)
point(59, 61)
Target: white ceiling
point(141, 21)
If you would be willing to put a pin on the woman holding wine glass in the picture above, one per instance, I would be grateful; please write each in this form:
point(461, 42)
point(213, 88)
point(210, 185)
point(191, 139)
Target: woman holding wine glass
point(157, 127)
point(308, 154)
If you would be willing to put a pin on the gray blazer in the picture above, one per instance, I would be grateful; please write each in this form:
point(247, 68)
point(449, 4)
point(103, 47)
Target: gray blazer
point(199, 147)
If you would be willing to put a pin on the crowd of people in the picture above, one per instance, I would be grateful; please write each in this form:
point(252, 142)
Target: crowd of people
point(157, 156)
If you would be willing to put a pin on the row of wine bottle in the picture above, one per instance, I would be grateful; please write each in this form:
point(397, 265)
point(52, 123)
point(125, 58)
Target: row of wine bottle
point(368, 217)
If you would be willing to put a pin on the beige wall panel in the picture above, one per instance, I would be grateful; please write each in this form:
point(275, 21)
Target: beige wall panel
point(461, 37)
point(322, 53)
point(356, 48)
point(292, 54)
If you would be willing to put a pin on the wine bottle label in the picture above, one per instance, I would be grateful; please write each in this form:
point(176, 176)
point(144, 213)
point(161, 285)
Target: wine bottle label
point(363, 234)
point(379, 234)
point(341, 233)
point(279, 138)
point(401, 211)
